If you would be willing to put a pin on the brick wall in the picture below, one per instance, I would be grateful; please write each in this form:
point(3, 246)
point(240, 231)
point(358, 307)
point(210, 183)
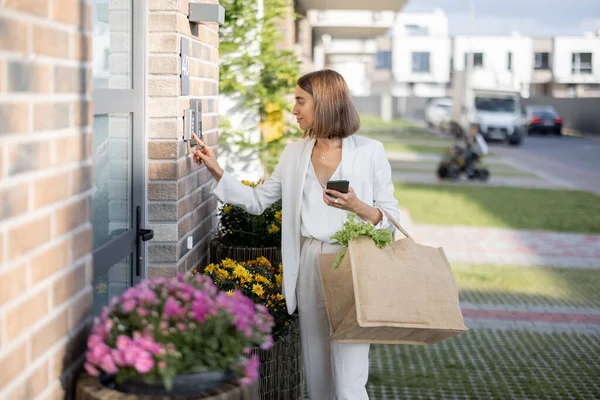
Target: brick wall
point(45, 194)
point(179, 202)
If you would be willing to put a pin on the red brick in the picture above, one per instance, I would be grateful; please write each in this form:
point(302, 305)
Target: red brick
point(24, 238)
point(14, 35)
point(14, 200)
point(81, 180)
point(12, 282)
point(83, 114)
point(26, 313)
point(162, 150)
point(50, 190)
point(67, 11)
point(49, 262)
point(12, 364)
point(34, 384)
point(34, 7)
point(50, 42)
point(71, 149)
point(162, 170)
point(14, 118)
point(52, 116)
point(49, 334)
point(72, 216)
point(80, 310)
point(68, 285)
point(82, 48)
point(81, 244)
point(26, 157)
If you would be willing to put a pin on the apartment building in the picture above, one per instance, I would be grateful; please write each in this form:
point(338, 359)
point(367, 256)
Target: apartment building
point(421, 54)
point(576, 66)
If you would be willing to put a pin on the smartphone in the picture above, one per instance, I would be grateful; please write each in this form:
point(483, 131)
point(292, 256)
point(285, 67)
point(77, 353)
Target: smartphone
point(340, 186)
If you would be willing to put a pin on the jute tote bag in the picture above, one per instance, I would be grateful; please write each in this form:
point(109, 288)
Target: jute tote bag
point(404, 293)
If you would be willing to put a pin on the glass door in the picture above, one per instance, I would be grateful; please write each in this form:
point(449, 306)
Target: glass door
point(119, 157)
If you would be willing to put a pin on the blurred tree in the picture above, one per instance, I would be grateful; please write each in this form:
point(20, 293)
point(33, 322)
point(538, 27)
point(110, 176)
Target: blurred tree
point(258, 71)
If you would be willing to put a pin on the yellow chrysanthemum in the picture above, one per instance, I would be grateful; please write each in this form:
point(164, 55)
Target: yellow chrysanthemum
point(279, 297)
point(261, 279)
point(278, 279)
point(263, 262)
point(229, 293)
point(222, 274)
point(227, 208)
point(278, 215)
point(258, 289)
point(210, 268)
point(228, 263)
point(240, 272)
point(273, 228)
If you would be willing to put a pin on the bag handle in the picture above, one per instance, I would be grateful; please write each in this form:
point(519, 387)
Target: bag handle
point(396, 223)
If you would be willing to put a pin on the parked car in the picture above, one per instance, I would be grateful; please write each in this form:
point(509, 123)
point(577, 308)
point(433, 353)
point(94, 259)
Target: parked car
point(438, 112)
point(542, 120)
point(497, 115)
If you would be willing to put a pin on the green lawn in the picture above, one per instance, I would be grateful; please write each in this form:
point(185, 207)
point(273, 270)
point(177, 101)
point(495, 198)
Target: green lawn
point(537, 286)
point(489, 364)
point(504, 207)
point(372, 122)
point(405, 147)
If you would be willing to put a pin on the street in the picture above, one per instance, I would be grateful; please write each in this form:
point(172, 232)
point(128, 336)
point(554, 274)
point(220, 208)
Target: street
point(574, 161)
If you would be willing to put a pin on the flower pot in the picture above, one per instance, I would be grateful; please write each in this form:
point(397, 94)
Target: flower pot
point(183, 385)
point(281, 367)
point(90, 388)
point(219, 252)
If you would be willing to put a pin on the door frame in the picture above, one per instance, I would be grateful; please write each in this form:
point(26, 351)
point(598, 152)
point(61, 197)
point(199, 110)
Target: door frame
point(132, 101)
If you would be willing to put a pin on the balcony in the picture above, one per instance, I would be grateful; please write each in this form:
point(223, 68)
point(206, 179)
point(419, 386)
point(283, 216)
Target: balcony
point(351, 23)
point(375, 5)
point(351, 47)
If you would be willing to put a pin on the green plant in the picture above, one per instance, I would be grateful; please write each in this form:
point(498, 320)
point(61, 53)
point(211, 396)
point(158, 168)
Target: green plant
point(354, 228)
point(240, 228)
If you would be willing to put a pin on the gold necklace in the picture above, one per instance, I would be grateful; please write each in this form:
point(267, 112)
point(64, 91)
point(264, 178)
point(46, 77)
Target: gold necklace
point(323, 157)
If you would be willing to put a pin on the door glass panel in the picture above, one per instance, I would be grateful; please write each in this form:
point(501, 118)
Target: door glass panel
point(112, 62)
point(111, 282)
point(112, 176)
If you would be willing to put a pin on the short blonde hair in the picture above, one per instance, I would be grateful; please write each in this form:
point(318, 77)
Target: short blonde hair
point(335, 115)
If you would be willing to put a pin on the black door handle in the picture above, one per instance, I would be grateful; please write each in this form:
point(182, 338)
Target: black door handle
point(143, 235)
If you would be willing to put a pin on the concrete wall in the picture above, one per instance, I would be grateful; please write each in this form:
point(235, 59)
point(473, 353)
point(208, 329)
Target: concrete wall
point(580, 114)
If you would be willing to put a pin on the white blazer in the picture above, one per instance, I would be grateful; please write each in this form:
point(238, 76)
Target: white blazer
point(363, 163)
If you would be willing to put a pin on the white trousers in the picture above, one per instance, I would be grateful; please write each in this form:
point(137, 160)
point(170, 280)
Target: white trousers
point(334, 371)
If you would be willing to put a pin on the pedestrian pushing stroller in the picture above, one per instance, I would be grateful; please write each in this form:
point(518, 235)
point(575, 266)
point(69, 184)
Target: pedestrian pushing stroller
point(464, 157)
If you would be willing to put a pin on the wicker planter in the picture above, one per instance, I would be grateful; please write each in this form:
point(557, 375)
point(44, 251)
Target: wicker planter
point(89, 388)
point(219, 252)
point(281, 368)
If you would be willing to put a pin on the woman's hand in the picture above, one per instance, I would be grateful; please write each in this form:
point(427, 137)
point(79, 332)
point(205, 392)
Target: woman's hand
point(344, 201)
point(349, 202)
point(205, 155)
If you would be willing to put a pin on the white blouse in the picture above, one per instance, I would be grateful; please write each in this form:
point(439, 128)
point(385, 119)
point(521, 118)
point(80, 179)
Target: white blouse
point(318, 220)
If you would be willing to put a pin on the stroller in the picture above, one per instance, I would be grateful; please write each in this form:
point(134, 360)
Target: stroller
point(464, 157)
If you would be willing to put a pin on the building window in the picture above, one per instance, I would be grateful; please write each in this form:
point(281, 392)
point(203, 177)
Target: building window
point(416, 30)
point(477, 60)
point(581, 63)
point(509, 61)
point(383, 60)
point(542, 61)
point(420, 62)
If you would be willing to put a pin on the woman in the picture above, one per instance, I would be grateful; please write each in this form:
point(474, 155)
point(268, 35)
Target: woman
point(312, 214)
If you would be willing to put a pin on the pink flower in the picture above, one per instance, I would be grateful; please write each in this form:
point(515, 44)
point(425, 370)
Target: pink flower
point(142, 312)
point(108, 365)
point(181, 326)
point(251, 366)
point(118, 357)
point(173, 308)
point(94, 340)
point(130, 354)
point(123, 342)
point(164, 325)
point(91, 369)
point(268, 343)
point(144, 363)
point(99, 351)
point(128, 306)
point(162, 365)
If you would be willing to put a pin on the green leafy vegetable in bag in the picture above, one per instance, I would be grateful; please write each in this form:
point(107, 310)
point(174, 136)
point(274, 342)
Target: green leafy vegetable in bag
point(355, 227)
